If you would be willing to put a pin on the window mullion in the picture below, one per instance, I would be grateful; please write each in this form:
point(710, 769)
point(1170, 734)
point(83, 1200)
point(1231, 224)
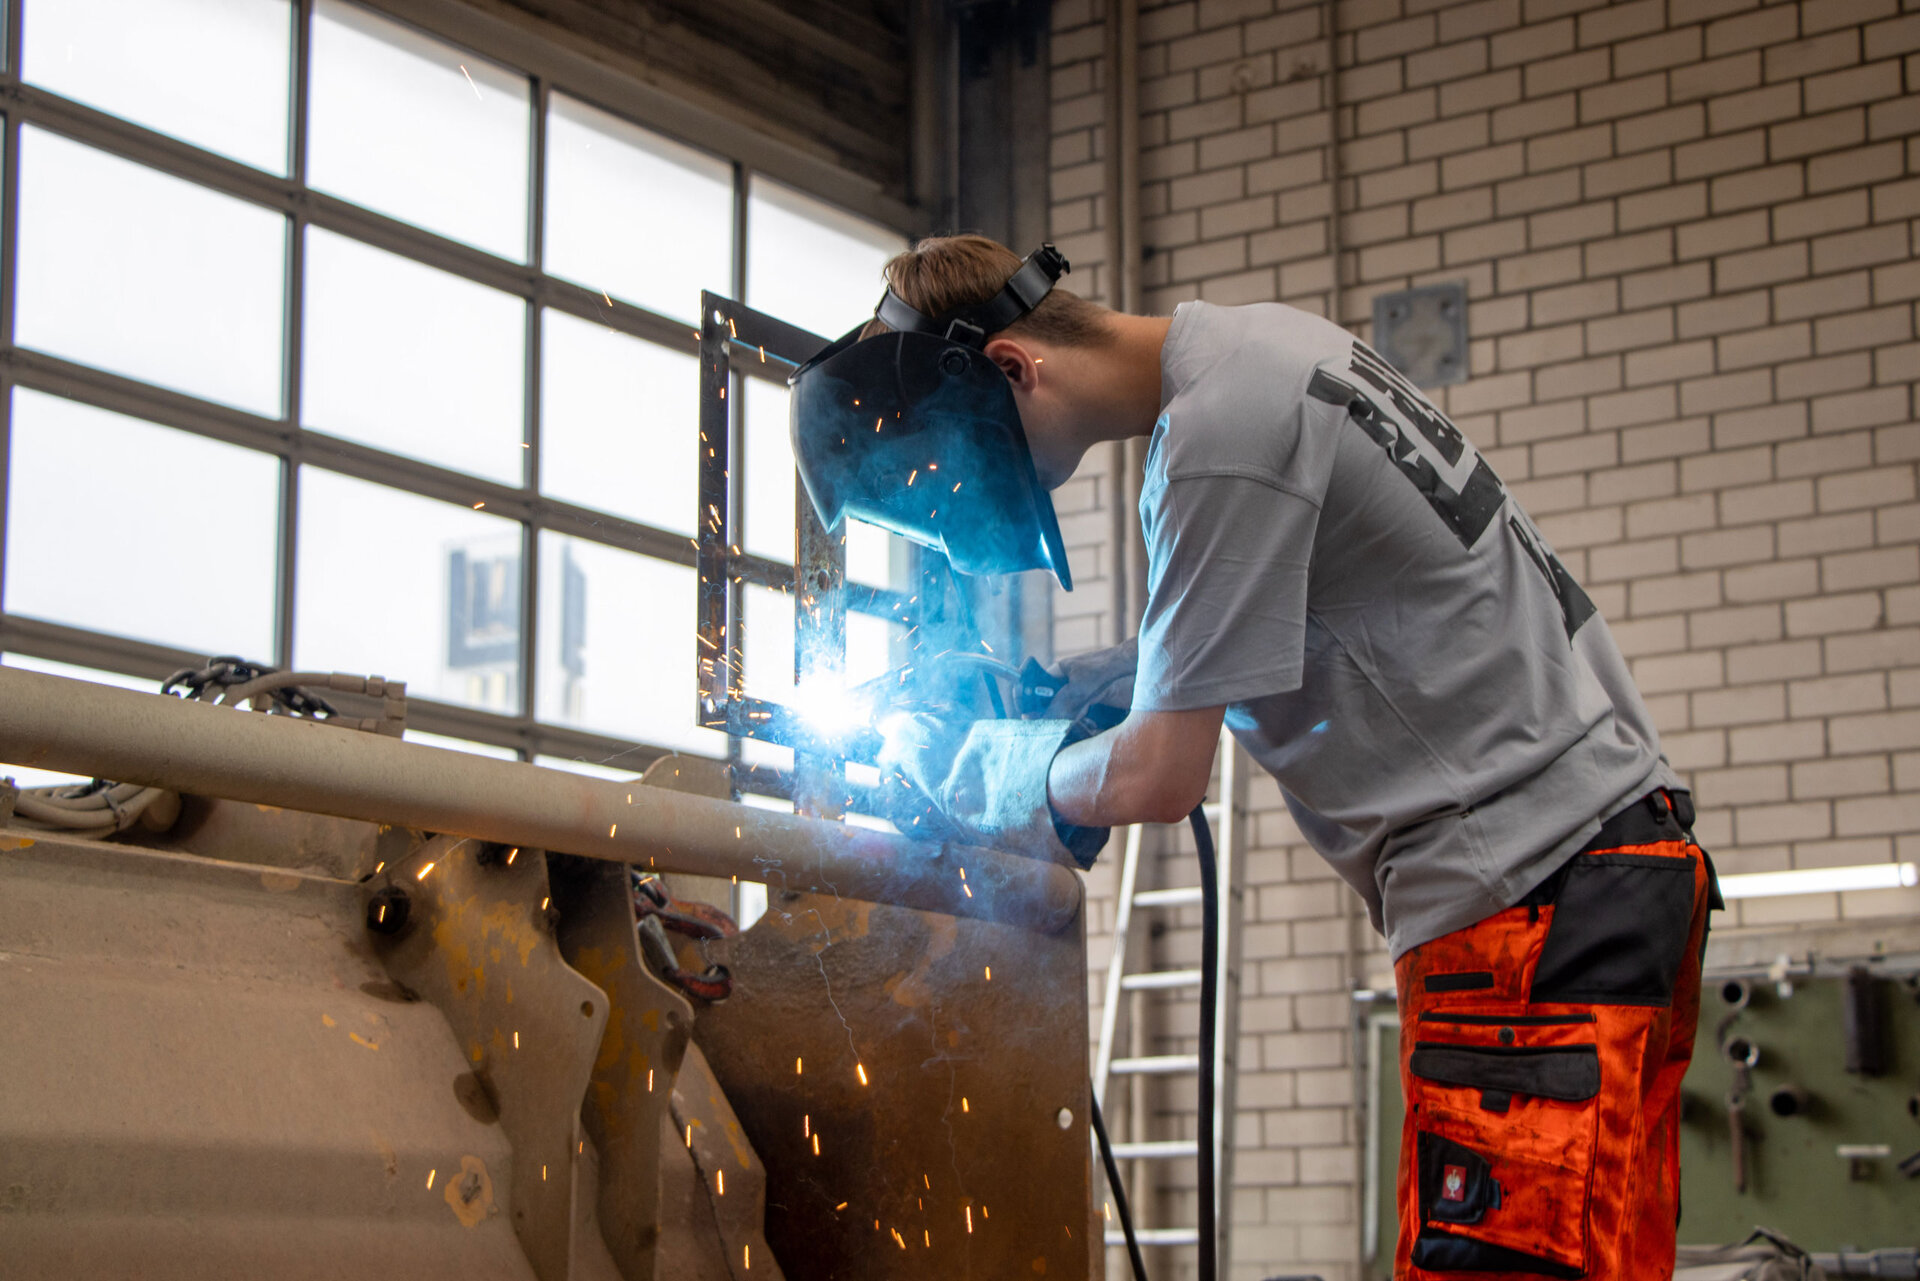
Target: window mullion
point(295, 341)
point(530, 540)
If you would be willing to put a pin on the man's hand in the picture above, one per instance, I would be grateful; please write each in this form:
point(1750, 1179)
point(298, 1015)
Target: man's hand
point(1153, 767)
point(1099, 678)
point(986, 783)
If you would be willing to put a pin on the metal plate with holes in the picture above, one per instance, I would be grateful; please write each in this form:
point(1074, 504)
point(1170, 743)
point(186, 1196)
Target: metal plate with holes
point(1423, 332)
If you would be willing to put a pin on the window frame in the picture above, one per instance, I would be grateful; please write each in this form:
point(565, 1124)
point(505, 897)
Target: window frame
point(550, 66)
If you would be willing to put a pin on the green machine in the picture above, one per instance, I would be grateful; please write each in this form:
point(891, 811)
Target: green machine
point(1820, 1065)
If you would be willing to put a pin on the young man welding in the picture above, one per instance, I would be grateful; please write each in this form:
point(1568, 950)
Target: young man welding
point(1336, 573)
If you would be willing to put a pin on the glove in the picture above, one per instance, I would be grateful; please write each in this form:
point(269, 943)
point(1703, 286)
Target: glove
point(987, 783)
point(1098, 678)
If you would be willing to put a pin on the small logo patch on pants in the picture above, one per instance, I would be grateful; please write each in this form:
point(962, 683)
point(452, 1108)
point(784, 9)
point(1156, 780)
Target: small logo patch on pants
point(1453, 1183)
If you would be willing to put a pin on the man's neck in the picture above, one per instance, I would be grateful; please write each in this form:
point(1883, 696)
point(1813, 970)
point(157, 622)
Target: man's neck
point(1123, 398)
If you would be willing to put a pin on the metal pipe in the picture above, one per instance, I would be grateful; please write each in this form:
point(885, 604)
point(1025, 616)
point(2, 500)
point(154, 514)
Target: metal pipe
point(79, 727)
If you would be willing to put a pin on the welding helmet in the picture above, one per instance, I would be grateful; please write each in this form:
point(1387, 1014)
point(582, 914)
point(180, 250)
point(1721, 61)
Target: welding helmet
point(916, 431)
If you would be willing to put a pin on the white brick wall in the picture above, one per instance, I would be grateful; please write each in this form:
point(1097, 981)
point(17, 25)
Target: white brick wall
point(1687, 228)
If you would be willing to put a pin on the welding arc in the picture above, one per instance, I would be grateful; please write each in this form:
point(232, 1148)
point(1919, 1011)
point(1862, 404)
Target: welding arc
point(1209, 1029)
point(1119, 1191)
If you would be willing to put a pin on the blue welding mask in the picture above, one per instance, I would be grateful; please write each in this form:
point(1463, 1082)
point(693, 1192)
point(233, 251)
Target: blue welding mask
point(916, 431)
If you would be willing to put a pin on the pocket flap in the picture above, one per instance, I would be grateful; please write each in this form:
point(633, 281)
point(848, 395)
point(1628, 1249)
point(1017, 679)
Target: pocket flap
point(1569, 1073)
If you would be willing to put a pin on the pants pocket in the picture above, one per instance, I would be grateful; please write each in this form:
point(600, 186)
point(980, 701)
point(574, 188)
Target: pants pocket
point(1504, 1145)
point(1619, 931)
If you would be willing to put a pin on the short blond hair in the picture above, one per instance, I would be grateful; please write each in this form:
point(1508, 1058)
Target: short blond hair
point(943, 273)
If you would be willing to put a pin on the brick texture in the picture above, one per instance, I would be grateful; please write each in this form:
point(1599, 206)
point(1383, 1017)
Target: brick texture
point(1687, 231)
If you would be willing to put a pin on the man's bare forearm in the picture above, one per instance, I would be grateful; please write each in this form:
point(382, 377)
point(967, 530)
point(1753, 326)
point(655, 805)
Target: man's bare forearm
point(1151, 768)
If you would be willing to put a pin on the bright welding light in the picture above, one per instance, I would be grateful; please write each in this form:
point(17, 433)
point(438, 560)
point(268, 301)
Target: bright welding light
point(829, 707)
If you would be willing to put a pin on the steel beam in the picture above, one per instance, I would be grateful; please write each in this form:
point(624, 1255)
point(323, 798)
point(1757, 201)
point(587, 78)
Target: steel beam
point(198, 748)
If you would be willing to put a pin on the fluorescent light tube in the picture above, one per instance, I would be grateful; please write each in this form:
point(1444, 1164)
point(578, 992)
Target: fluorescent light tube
point(1821, 880)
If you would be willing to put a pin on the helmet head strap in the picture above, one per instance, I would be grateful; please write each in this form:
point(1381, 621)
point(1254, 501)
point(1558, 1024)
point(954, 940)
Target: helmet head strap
point(971, 324)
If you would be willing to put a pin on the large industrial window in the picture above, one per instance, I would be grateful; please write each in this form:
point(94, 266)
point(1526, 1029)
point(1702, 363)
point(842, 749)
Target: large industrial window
point(330, 343)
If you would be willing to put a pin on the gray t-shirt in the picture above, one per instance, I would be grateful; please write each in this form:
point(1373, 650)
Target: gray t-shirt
point(1330, 559)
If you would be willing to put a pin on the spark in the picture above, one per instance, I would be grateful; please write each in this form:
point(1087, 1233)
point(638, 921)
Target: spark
point(720, 1182)
point(478, 506)
point(984, 1214)
point(969, 1220)
point(911, 475)
point(927, 1181)
point(841, 1206)
point(989, 974)
point(470, 84)
point(963, 1104)
point(956, 487)
point(928, 1234)
point(512, 854)
point(746, 1258)
point(383, 913)
point(896, 1236)
point(963, 873)
point(968, 889)
point(516, 1040)
point(1106, 1208)
point(731, 331)
point(612, 829)
point(543, 1174)
point(545, 901)
point(649, 1080)
point(421, 875)
point(689, 1134)
point(604, 298)
point(796, 1067)
point(430, 1174)
point(876, 424)
point(806, 1125)
point(933, 466)
point(861, 1069)
point(816, 1145)
point(378, 866)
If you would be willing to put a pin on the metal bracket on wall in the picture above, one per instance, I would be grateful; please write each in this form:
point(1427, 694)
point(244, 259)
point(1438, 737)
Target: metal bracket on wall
point(1423, 332)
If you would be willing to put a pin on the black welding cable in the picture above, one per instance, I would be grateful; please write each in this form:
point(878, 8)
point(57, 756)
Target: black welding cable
point(1209, 1027)
point(1119, 1192)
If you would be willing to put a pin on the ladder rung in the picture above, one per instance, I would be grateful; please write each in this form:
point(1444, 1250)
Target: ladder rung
point(1188, 896)
point(1156, 1065)
point(1160, 979)
point(1157, 1150)
point(1157, 1236)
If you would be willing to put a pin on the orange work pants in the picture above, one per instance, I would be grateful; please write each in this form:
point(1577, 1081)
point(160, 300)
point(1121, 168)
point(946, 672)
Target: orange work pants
point(1541, 1053)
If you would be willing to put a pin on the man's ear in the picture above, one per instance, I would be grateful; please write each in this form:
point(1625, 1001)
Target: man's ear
point(1016, 361)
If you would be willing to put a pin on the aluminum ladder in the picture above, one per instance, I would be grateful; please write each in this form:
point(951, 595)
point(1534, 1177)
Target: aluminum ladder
point(1132, 991)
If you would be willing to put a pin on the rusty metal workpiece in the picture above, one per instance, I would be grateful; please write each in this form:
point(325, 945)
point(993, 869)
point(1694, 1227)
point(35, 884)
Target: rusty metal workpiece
point(479, 947)
point(908, 1108)
point(729, 1170)
point(648, 1024)
point(210, 1077)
